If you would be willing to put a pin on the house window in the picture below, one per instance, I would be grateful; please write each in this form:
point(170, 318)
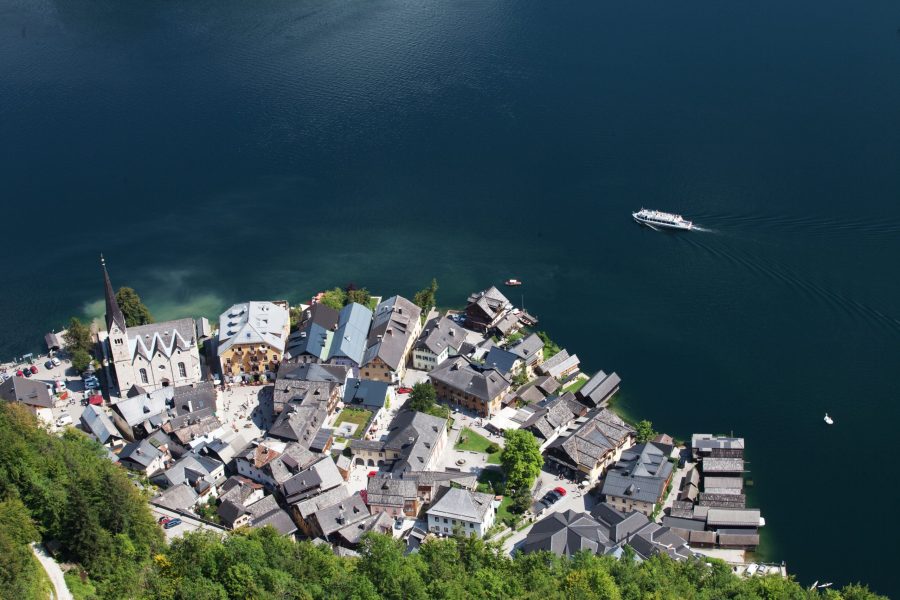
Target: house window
point(144, 376)
point(182, 370)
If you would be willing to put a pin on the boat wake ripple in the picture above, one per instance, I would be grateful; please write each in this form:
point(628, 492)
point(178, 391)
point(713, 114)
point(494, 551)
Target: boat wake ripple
point(813, 291)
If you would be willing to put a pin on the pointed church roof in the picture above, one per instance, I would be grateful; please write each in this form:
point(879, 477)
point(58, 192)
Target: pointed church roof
point(113, 312)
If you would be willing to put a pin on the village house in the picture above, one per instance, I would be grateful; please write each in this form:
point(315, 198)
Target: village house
point(503, 361)
point(142, 457)
point(597, 441)
point(177, 497)
point(271, 462)
point(373, 396)
point(414, 442)
point(203, 473)
point(396, 325)
point(484, 309)
point(473, 386)
point(304, 512)
point(531, 351)
point(150, 356)
point(319, 477)
point(471, 513)
point(440, 339)
point(637, 482)
point(234, 496)
point(348, 345)
point(311, 342)
point(252, 338)
point(553, 416)
point(98, 424)
point(537, 390)
point(605, 530)
point(407, 493)
point(297, 382)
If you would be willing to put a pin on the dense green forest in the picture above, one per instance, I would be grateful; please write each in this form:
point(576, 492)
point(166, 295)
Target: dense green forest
point(64, 489)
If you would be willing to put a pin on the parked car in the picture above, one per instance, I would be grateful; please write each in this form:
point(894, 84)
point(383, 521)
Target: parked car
point(164, 520)
point(404, 390)
point(20, 373)
point(560, 490)
point(64, 420)
point(48, 365)
point(173, 523)
point(96, 400)
point(27, 372)
point(92, 383)
point(34, 369)
point(56, 362)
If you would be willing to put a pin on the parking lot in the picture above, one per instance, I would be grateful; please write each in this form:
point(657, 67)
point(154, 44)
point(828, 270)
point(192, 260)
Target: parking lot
point(75, 389)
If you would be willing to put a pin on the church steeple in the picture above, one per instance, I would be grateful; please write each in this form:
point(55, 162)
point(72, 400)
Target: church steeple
point(113, 312)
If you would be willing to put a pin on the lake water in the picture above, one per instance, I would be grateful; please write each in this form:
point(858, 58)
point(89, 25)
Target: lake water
point(222, 151)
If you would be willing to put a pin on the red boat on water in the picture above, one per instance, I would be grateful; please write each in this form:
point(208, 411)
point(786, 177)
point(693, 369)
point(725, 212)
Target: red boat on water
point(512, 282)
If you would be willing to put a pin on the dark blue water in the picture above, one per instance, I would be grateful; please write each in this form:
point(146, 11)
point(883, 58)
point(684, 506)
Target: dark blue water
point(220, 151)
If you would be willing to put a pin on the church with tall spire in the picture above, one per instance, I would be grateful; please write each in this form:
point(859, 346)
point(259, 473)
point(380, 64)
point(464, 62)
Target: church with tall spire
point(149, 357)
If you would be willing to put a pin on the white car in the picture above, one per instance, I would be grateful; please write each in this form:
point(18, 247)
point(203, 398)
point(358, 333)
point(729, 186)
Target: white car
point(64, 420)
point(56, 362)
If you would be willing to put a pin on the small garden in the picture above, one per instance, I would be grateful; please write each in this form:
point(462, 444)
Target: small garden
point(358, 416)
point(475, 442)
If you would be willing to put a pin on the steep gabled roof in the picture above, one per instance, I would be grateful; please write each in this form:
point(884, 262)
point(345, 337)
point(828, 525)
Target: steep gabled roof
point(253, 323)
point(113, 312)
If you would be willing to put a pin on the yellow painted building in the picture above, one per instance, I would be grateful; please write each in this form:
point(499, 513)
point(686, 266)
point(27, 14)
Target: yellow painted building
point(252, 337)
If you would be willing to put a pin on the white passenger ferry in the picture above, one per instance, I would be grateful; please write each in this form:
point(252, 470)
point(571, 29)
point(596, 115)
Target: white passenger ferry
point(655, 219)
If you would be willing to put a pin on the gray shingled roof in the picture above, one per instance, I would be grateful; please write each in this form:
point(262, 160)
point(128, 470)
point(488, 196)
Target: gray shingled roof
point(315, 332)
point(500, 359)
point(462, 504)
point(162, 338)
point(600, 434)
point(394, 322)
point(341, 514)
point(566, 533)
point(368, 393)
point(349, 341)
point(528, 348)
point(640, 474)
point(181, 497)
point(266, 512)
point(483, 382)
point(253, 323)
point(441, 333)
point(32, 392)
point(98, 424)
point(599, 388)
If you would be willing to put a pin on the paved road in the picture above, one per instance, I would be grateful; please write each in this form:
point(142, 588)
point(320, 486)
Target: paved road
point(187, 523)
point(53, 572)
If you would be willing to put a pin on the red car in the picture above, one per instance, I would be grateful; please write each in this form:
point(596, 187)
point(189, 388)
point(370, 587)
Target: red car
point(96, 400)
point(34, 369)
point(164, 520)
point(560, 490)
point(404, 390)
point(19, 373)
point(373, 473)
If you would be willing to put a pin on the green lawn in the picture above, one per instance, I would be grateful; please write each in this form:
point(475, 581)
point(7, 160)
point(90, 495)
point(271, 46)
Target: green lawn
point(574, 387)
point(358, 416)
point(503, 514)
point(476, 442)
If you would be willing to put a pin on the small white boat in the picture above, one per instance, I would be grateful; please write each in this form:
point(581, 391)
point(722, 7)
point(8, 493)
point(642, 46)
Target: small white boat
point(813, 586)
point(512, 282)
point(828, 420)
point(658, 219)
point(825, 585)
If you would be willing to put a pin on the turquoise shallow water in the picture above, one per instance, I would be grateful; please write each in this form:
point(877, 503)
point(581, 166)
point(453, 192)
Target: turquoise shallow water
point(220, 151)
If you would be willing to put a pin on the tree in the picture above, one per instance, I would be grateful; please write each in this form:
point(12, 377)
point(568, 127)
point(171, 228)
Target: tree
point(427, 299)
point(135, 312)
point(551, 348)
point(521, 500)
point(335, 298)
point(422, 397)
point(80, 360)
point(360, 296)
point(645, 431)
point(521, 377)
point(78, 336)
point(521, 459)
